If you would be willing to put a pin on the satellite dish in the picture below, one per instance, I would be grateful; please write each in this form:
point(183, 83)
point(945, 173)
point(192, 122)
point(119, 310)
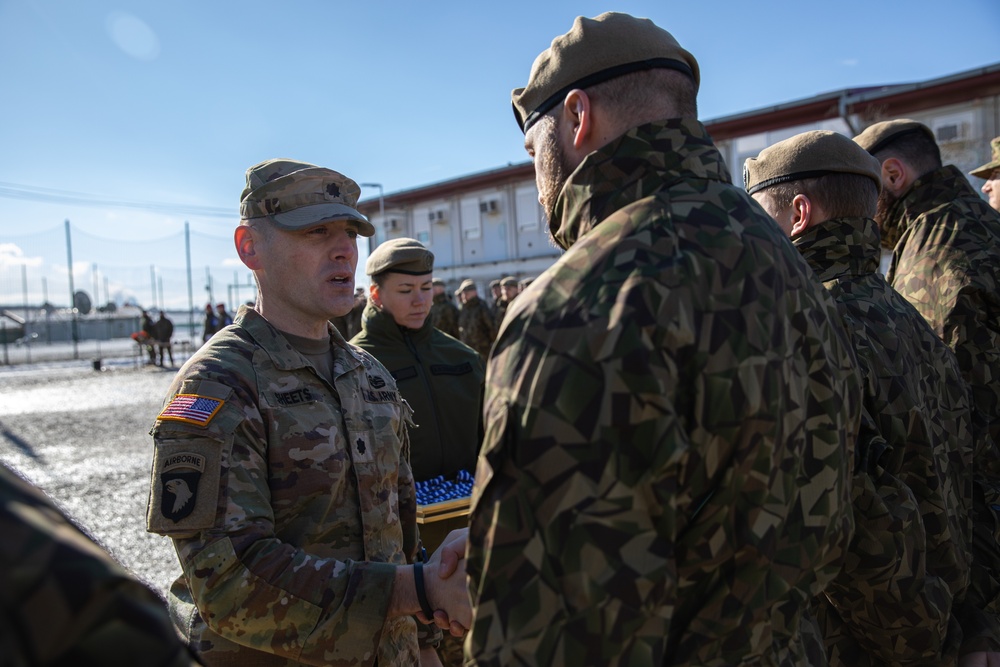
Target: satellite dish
point(81, 301)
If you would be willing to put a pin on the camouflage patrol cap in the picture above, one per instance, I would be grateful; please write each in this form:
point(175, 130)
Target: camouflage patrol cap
point(809, 155)
point(293, 195)
point(467, 284)
point(593, 51)
point(989, 167)
point(509, 281)
point(402, 255)
point(880, 135)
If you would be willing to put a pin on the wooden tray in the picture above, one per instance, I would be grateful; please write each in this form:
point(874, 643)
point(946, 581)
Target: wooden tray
point(448, 509)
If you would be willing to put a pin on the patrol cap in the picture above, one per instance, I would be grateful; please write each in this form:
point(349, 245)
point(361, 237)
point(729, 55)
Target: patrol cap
point(467, 284)
point(403, 255)
point(989, 167)
point(809, 155)
point(293, 195)
point(593, 51)
point(509, 281)
point(880, 135)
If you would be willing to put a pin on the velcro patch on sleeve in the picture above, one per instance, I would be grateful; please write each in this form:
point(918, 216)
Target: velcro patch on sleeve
point(184, 486)
point(192, 409)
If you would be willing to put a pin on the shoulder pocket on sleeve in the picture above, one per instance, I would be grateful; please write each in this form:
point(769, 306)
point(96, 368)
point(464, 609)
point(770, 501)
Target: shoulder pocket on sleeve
point(187, 490)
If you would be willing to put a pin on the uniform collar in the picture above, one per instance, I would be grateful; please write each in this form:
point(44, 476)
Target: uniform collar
point(286, 357)
point(638, 164)
point(840, 247)
point(933, 189)
point(379, 324)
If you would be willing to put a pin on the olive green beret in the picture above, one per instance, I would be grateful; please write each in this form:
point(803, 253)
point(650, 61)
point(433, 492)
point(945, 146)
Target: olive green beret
point(466, 285)
point(509, 281)
point(594, 51)
point(809, 155)
point(880, 135)
point(989, 167)
point(494, 283)
point(295, 195)
point(403, 255)
point(437, 281)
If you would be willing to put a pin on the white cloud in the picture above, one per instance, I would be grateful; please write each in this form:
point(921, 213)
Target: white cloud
point(12, 255)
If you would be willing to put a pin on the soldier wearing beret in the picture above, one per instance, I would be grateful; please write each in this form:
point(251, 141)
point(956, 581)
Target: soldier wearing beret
point(440, 377)
point(907, 570)
point(991, 173)
point(281, 462)
point(476, 327)
point(444, 313)
point(945, 243)
point(670, 408)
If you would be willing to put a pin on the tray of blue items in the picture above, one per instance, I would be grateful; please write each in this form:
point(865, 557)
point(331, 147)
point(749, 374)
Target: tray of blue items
point(439, 499)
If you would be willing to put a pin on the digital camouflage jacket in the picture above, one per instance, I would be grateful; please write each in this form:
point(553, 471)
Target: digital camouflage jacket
point(670, 415)
point(289, 501)
point(907, 567)
point(946, 262)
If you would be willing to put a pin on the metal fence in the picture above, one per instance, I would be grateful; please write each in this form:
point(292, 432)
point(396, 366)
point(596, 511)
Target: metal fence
point(49, 312)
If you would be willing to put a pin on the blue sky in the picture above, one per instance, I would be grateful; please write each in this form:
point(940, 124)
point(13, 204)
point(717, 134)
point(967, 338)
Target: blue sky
point(150, 112)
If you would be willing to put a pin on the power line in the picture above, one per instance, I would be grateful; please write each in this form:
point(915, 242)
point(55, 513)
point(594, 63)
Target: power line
point(53, 196)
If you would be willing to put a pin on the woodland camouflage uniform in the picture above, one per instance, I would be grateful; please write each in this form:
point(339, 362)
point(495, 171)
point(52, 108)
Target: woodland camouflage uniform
point(670, 410)
point(476, 327)
point(907, 567)
point(444, 315)
point(946, 262)
point(289, 506)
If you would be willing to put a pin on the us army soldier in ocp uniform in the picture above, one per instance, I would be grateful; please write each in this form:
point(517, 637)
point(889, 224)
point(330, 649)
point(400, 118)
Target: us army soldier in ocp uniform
point(281, 464)
point(907, 571)
point(670, 407)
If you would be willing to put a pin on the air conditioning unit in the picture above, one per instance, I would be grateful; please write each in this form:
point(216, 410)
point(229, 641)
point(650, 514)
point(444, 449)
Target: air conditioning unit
point(392, 224)
point(489, 206)
point(946, 133)
point(436, 216)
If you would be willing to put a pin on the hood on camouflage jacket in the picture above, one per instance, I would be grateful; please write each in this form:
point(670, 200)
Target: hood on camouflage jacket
point(649, 389)
point(442, 380)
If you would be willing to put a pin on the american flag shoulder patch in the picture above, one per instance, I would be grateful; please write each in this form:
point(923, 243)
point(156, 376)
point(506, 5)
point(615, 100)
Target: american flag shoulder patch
point(192, 409)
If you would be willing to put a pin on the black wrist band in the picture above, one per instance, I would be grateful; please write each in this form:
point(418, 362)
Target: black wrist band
point(418, 582)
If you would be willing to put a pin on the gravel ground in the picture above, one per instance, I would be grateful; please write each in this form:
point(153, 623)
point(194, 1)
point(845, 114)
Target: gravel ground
point(83, 437)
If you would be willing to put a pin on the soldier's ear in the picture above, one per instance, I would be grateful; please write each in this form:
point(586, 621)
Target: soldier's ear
point(577, 120)
point(802, 214)
point(895, 176)
point(373, 295)
point(247, 242)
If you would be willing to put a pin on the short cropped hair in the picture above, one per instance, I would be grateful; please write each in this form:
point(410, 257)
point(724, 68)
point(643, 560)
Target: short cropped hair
point(916, 149)
point(649, 94)
point(839, 195)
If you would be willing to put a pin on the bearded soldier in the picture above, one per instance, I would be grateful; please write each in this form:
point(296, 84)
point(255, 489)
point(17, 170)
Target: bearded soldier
point(670, 407)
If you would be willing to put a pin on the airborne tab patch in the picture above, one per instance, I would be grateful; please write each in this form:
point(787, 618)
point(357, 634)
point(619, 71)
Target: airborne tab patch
point(192, 409)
